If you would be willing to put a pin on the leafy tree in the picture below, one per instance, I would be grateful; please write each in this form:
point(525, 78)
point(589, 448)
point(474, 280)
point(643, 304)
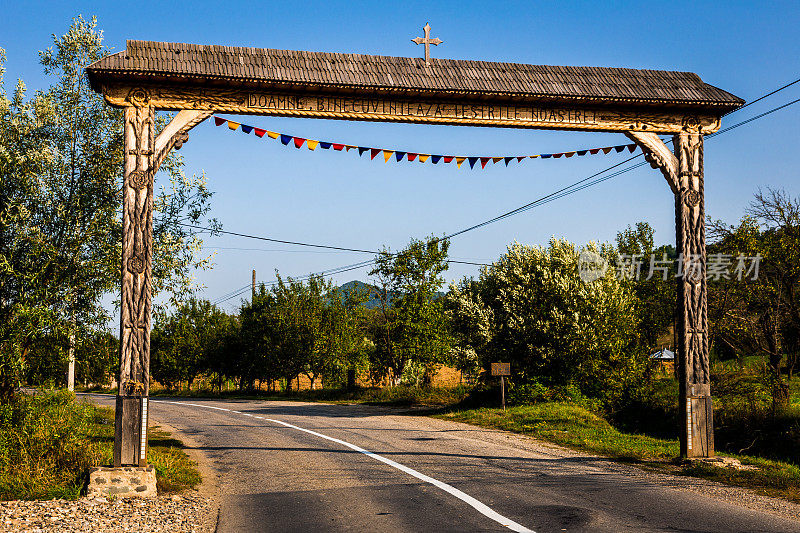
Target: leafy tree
point(182, 342)
point(412, 324)
point(532, 309)
point(762, 315)
point(655, 290)
point(60, 216)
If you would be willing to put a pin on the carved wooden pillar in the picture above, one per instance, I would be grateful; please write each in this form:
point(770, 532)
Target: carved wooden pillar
point(144, 153)
point(683, 170)
point(130, 434)
point(697, 428)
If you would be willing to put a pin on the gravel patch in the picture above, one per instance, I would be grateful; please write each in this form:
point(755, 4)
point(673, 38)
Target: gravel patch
point(186, 512)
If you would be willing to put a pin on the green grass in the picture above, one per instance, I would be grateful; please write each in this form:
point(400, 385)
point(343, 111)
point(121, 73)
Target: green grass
point(49, 441)
point(575, 427)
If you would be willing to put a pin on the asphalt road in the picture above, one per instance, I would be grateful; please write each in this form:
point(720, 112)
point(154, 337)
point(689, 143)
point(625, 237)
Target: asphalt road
point(287, 466)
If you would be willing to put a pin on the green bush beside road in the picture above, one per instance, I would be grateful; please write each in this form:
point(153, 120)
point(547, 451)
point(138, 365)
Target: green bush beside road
point(49, 441)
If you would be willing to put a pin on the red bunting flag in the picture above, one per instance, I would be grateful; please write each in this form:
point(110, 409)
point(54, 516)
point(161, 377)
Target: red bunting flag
point(447, 158)
point(519, 159)
point(338, 147)
point(373, 152)
point(298, 141)
point(484, 160)
point(260, 132)
point(411, 156)
point(219, 121)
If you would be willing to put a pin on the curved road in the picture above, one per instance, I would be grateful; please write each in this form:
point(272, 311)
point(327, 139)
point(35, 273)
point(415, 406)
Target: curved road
point(290, 466)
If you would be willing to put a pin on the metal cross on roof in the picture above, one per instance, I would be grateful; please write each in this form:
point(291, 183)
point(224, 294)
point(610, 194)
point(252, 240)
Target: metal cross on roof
point(427, 41)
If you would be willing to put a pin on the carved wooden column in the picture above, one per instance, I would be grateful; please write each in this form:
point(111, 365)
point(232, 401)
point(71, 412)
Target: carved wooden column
point(697, 429)
point(130, 433)
point(144, 153)
point(683, 170)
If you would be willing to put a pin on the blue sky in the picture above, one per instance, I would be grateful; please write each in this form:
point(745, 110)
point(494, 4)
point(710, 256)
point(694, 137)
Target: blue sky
point(263, 188)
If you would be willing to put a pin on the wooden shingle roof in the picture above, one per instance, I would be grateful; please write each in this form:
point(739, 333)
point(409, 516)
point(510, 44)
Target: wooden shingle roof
point(193, 64)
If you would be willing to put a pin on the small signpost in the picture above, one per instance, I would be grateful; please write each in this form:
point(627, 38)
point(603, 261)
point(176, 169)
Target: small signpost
point(502, 370)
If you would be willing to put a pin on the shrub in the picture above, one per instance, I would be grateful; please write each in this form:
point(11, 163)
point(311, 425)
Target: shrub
point(44, 449)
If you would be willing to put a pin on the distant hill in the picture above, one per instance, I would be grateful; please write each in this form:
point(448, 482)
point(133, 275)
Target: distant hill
point(371, 290)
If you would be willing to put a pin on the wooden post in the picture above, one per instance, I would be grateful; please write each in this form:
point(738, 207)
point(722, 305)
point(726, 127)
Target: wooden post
point(254, 286)
point(683, 170)
point(130, 429)
point(503, 391)
point(697, 427)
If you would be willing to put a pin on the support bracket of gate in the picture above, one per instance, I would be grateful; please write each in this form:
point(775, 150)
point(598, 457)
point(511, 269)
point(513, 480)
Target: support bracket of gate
point(175, 134)
point(658, 155)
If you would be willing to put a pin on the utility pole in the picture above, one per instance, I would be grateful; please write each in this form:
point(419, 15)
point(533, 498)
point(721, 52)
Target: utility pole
point(71, 358)
point(254, 286)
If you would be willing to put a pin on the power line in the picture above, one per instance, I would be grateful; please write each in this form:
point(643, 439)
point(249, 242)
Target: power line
point(564, 191)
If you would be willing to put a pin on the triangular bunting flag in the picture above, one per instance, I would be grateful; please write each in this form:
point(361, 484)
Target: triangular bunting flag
point(620, 148)
point(233, 125)
point(219, 121)
point(496, 160)
point(362, 149)
point(260, 132)
point(435, 159)
point(606, 150)
point(338, 147)
point(632, 148)
point(298, 142)
point(569, 154)
point(312, 145)
point(557, 155)
point(412, 156)
point(459, 160)
point(485, 160)
point(448, 158)
point(399, 155)
point(519, 159)
point(324, 145)
point(472, 161)
point(247, 129)
point(386, 155)
point(582, 152)
point(508, 160)
point(594, 150)
point(350, 147)
point(423, 157)
point(374, 152)
point(286, 139)
point(273, 135)
point(534, 156)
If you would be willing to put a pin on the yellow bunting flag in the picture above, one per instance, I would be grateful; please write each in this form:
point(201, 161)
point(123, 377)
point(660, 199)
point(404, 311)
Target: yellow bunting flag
point(460, 160)
point(569, 154)
point(606, 150)
point(496, 159)
point(423, 157)
point(312, 145)
point(533, 156)
point(233, 125)
point(386, 155)
point(349, 147)
point(273, 135)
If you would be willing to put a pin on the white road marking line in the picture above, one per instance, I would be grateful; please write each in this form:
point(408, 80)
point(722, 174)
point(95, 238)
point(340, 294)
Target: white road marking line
point(466, 498)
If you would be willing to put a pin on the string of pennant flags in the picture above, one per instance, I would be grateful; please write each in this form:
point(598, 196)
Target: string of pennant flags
point(397, 155)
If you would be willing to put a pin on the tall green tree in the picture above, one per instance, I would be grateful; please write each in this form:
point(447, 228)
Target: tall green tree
point(413, 324)
point(654, 288)
point(532, 309)
point(759, 312)
point(60, 217)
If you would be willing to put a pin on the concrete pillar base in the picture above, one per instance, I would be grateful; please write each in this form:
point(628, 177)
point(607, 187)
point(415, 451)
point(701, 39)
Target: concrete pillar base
point(122, 482)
